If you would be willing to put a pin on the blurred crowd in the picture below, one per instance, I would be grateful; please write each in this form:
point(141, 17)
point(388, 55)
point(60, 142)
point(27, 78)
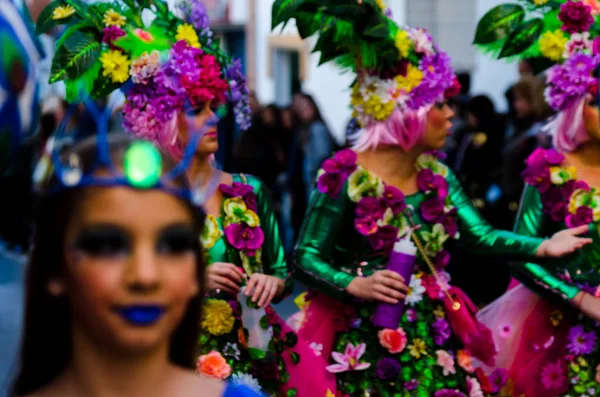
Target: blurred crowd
point(286, 146)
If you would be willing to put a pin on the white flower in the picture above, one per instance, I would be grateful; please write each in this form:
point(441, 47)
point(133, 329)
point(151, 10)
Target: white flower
point(579, 42)
point(246, 380)
point(474, 388)
point(231, 350)
point(416, 291)
point(317, 348)
point(422, 41)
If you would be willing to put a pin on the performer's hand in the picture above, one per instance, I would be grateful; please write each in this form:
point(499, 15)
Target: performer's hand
point(563, 243)
point(224, 276)
point(265, 288)
point(588, 305)
point(384, 285)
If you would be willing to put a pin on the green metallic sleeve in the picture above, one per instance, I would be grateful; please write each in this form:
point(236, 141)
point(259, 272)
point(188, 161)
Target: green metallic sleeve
point(312, 257)
point(480, 237)
point(531, 222)
point(273, 255)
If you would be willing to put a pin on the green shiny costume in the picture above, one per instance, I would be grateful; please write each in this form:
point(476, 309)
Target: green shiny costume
point(331, 252)
point(268, 369)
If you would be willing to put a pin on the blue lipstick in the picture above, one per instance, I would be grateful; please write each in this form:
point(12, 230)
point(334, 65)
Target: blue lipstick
point(141, 315)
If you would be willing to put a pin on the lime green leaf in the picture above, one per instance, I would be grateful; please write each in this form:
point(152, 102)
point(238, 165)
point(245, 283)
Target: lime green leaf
point(256, 354)
point(79, 89)
point(46, 22)
point(74, 57)
point(522, 38)
point(135, 47)
point(498, 23)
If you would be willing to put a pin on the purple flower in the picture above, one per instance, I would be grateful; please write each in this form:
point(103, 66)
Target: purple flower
point(442, 259)
point(449, 222)
point(387, 369)
point(384, 238)
point(111, 34)
point(537, 172)
point(438, 77)
point(243, 237)
point(238, 93)
point(554, 377)
point(498, 379)
point(432, 210)
point(243, 190)
point(368, 211)
point(428, 181)
point(441, 331)
point(581, 342)
point(393, 198)
point(336, 173)
point(596, 46)
point(411, 315)
point(583, 216)
point(236, 308)
point(449, 393)
point(411, 384)
point(331, 183)
point(346, 160)
point(575, 16)
point(571, 80)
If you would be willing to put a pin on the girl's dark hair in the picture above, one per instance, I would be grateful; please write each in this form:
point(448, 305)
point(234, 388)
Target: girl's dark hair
point(46, 342)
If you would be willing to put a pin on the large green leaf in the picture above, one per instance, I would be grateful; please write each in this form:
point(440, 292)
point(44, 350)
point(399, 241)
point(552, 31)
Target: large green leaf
point(522, 38)
point(283, 11)
point(80, 89)
point(46, 22)
point(85, 12)
point(347, 11)
point(377, 27)
point(74, 56)
point(498, 23)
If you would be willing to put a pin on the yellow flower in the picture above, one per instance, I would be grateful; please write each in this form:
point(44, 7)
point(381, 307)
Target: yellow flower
point(403, 43)
point(217, 317)
point(540, 2)
point(237, 211)
point(329, 393)
point(63, 12)
point(552, 44)
point(381, 4)
point(418, 348)
point(561, 175)
point(113, 18)
point(413, 78)
point(211, 232)
point(439, 312)
point(186, 32)
point(300, 300)
point(556, 317)
point(116, 65)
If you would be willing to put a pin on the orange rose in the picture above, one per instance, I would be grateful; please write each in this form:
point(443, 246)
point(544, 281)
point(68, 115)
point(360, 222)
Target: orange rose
point(465, 361)
point(393, 340)
point(242, 338)
point(213, 365)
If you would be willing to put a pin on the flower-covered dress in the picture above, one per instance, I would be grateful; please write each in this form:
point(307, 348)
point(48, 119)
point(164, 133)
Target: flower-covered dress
point(552, 349)
point(246, 234)
point(353, 220)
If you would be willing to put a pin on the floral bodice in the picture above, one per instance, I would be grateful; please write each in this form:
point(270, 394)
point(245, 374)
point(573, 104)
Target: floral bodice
point(555, 199)
point(354, 219)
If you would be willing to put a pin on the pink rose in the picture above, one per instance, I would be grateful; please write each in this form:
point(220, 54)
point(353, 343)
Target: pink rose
point(392, 340)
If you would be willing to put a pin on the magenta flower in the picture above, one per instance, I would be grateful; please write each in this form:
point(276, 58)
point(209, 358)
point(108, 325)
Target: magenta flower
point(432, 210)
point(583, 216)
point(411, 384)
point(428, 181)
point(112, 33)
point(349, 360)
point(346, 160)
point(498, 379)
point(336, 172)
point(537, 172)
point(448, 393)
point(243, 190)
point(384, 238)
point(370, 207)
point(581, 342)
point(575, 16)
point(596, 46)
point(331, 183)
point(393, 198)
point(448, 220)
point(243, 237)
point(442, 259)
point(554, 377)
point(441, 331)
point(366, 225)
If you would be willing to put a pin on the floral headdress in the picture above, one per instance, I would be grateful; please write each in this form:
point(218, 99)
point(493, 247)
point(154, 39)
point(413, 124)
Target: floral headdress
point(164, 67)
point(397, 67)
point(560, 34)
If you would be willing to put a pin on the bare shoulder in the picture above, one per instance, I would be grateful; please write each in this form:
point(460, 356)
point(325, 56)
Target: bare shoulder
point(189, 383)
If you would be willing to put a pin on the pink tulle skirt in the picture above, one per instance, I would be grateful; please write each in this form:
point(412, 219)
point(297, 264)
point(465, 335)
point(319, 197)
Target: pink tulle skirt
point(529, 333)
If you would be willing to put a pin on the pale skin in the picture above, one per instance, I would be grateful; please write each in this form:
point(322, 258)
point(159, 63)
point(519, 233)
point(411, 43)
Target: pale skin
point(262, 288)
point(110, 356)
point(398, 168)
point(586, 159)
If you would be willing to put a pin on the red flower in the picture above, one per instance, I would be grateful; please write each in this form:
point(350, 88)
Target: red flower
point(484, 381)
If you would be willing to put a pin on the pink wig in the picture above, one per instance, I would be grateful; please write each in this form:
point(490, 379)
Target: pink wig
point(404, 128)
point(568, 130)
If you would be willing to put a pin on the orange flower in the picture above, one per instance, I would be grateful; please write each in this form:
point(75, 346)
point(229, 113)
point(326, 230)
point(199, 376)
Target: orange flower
point(213, 365)
point(242, 338)
point(146, 37)
point(393, 340)
point(465, 361)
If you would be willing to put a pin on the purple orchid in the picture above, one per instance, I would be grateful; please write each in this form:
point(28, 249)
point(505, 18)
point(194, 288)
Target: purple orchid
point(583, 216)
point(428, 181)
point(384, 238)
point(346, 160)
point(498, 379)
point(441, 331)
point(442, 259)
point(243, 237)
point(448, 220)
point(393, 198)
point(331, 183)
point(349, 360)
point(243, 190)
point(432, 210)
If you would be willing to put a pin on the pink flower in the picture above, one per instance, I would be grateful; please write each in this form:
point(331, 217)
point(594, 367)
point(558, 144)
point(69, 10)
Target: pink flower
point(392, 340)
point(465, 361)
point(554, 377)
point(445, 360)
point(213, 365)
point(594, 6)
point(474, 388)
point(243, 237)
point(349, 360)
point(583, 216)
point(143, 35)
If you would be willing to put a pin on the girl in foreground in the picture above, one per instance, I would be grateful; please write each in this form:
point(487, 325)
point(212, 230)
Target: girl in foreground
point(114, 290)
